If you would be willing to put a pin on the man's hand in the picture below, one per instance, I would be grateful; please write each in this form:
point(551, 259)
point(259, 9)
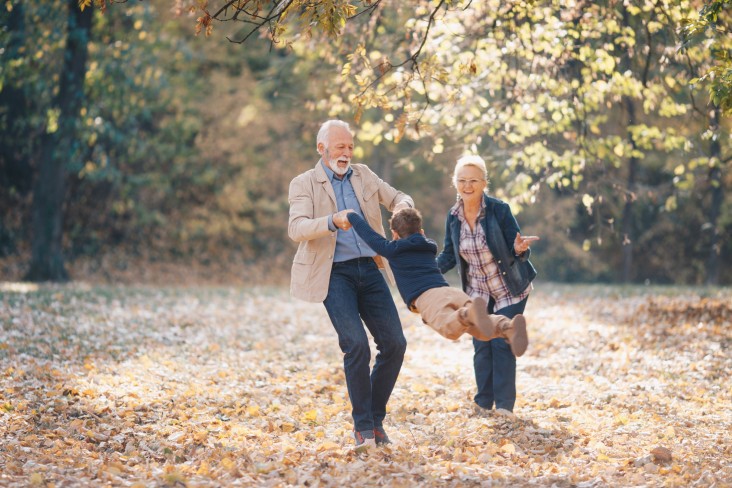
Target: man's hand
point(341, 221)
point(522, 243)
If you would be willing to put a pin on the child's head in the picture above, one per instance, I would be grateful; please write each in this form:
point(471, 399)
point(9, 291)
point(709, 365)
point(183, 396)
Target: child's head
point(406, 222)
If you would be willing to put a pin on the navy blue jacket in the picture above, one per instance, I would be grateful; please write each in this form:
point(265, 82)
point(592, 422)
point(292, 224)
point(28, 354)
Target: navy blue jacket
point(500, 229)
point(412, 259)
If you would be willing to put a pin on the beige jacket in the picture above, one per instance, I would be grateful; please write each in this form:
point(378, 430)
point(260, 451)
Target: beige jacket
point(312, 200)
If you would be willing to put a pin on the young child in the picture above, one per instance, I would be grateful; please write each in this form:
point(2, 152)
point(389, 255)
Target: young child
point(448, 310)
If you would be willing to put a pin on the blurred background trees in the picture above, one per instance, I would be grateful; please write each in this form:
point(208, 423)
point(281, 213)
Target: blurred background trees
point(604, 123)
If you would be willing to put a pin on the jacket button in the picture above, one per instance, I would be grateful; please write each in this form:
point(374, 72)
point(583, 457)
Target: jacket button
point(504, 273)
point(499, 261)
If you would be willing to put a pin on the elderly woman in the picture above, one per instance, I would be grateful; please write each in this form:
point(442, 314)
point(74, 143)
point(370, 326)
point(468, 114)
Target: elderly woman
point(482, 236)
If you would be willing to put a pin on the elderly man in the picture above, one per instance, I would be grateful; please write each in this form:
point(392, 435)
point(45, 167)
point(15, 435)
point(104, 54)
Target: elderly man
point(335, 266)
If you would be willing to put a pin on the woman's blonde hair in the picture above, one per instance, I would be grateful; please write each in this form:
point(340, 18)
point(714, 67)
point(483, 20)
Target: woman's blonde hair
point(470, 160)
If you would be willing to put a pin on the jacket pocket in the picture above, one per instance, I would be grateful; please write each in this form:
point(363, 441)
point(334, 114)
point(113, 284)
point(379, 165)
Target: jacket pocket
point(518, 277)
point(301, 266)
point(305, 257)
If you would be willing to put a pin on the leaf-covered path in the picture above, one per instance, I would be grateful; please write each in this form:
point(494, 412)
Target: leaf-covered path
point(235, 387)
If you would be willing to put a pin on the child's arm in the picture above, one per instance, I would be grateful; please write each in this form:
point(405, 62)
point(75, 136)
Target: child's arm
point(375, 240)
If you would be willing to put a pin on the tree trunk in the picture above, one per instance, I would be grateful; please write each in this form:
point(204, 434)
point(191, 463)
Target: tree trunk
point(57, 147)
point(717, 192)
point(15, 168)
point(627, 224)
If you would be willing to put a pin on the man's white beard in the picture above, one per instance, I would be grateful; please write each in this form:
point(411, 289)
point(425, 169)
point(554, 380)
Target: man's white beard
point(333, 164)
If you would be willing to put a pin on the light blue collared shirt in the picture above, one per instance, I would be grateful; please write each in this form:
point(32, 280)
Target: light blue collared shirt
point(348, 243)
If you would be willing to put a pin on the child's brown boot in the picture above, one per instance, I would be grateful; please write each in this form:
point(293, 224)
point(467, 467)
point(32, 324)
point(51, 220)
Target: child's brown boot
point(515, 333)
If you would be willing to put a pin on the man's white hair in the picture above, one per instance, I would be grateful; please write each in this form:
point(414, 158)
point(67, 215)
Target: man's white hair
point(470, 160)
point(325, 129)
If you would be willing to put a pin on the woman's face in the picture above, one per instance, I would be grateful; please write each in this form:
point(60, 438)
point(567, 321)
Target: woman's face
point(470, 181)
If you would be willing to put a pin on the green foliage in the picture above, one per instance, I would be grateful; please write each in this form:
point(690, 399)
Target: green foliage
point(710, 31)
point(594, 99)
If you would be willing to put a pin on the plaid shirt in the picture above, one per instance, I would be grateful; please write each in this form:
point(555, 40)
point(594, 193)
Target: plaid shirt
point(484, 278)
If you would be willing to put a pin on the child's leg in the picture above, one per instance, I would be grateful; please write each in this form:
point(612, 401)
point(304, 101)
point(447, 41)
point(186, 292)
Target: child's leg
point(489, 326)
point(475, 313)
point(441, 309)
point(452, 313)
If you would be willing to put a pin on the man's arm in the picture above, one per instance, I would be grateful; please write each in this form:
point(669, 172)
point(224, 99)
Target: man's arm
point(390, 197)
point(303, 225)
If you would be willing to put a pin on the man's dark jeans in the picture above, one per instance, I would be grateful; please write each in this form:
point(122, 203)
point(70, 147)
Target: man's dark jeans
point(495, 366)
point(358, 291)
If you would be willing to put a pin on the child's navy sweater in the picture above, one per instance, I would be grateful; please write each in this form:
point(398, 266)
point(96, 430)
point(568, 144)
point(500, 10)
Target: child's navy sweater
point(412, 259)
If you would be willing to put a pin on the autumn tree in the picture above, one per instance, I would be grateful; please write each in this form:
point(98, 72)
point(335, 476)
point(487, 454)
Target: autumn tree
point(711, 29)
point(92, 118)
point(59, 144)
point(590, 97)
point(15, 174)
point(597, 110)
point(707, 37)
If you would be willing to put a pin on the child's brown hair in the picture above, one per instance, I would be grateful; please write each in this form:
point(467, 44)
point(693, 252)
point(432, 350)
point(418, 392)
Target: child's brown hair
point(406, 222)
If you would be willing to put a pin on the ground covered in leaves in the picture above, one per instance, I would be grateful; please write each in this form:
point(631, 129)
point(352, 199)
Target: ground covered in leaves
point(126, 386)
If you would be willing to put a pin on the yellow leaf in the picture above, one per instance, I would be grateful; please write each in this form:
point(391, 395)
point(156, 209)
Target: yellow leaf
point(587, 200)
point(175, 477)
point(36, 479)
point(200, 436)
point(311, 415)
point(621, 419)
point(328, 446)
point(509, 448)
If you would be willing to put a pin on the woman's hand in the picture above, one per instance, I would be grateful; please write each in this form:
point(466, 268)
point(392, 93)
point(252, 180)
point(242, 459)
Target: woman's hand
point(522, 243)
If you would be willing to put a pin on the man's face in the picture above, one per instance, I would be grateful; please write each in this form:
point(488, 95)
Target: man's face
point(338, 150)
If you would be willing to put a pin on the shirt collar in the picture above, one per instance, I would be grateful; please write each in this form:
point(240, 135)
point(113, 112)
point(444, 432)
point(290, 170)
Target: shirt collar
point(458, 209)
point(329, 172)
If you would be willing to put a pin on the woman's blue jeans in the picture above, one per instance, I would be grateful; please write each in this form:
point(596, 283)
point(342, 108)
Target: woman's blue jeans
point(357, 292)
point(495, 366)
